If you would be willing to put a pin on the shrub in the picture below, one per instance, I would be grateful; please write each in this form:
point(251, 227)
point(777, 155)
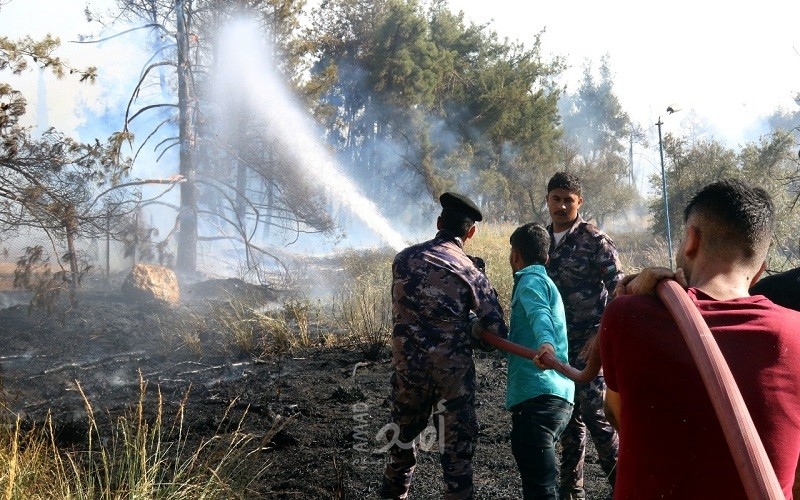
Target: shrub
point(364, 307)
point(366, 313)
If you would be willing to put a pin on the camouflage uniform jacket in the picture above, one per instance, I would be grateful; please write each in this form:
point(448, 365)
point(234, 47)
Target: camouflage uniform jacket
point(435, 285)
point(585, 267)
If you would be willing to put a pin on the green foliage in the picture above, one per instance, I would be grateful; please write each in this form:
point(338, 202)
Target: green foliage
point(688, 167)
point(594, 117)
point(786, 120)
point(770, 163)
point(407, 63)
point(420, 103)
point(605, 192)
point(597, 131)
point(15, 56)
point(773, 164)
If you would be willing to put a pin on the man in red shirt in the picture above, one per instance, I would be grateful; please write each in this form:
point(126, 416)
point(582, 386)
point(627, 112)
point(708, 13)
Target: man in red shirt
point(671, 443)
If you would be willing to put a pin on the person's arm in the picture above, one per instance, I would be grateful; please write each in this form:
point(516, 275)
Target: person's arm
point(532, 297)
point(612, 405)
point(590, 348)
point(487, 306)
point(607, 259)
point(645, 281)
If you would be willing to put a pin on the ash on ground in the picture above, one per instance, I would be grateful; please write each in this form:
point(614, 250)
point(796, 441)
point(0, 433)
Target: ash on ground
point(320, 410)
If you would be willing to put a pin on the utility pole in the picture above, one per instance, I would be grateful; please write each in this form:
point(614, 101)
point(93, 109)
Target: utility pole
point(631, 174)
point(187, 232)
point(664, 192)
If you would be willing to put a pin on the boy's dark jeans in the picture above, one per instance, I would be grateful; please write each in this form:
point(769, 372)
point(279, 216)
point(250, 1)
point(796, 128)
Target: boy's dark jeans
point(536, 425)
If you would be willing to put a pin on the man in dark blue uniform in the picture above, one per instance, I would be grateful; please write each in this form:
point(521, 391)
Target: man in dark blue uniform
point(585, 267)
point(435, 286)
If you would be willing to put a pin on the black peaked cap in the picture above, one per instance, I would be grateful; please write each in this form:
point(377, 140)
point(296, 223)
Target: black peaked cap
point(462, 204)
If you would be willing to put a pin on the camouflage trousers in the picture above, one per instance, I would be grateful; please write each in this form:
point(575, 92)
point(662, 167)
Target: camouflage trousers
point(448, 395)
point(588, 414)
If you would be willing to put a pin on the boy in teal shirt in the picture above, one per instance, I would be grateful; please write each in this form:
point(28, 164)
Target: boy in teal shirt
point(540, 399)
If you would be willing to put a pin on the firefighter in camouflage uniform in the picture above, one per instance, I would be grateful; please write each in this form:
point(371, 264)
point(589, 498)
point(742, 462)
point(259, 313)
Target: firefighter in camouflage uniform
point(585, 267)
point(435, 287)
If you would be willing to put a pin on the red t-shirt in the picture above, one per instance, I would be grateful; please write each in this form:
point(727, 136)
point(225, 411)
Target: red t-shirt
point(671, 443)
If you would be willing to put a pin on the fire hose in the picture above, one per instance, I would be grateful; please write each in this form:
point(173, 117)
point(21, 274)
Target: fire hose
point(581, 376)
point(752, 462)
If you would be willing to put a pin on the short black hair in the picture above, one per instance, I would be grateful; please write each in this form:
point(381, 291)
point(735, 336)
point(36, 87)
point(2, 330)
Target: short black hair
point(565, 180)
point(740, 214)
point(532, 241)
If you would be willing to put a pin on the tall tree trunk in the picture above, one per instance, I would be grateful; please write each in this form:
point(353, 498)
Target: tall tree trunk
point(239, 123)
point(71, 226)
point(241, 193)
point(187, 234)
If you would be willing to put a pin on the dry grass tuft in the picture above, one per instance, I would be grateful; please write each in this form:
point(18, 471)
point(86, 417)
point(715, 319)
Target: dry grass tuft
point(491, 244)
point(363, 307)
point(139, 457)
point(365, 311)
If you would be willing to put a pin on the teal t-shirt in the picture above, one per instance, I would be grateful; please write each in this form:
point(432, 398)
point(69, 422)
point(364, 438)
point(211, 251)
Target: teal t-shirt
point(537, 317)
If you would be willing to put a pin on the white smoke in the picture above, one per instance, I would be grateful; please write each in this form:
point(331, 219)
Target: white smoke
point(246, 70)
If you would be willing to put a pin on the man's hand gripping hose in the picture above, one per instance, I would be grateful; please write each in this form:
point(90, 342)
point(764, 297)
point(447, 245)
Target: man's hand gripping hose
point(547, 359)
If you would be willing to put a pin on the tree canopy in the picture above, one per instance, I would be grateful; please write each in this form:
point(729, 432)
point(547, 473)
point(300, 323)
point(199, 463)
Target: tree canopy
point(419, 102)
point(770, 163)
point(410, 100)
point(50, 183)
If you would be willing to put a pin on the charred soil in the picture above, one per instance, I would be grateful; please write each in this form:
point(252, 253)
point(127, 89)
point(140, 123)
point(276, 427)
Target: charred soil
point(317, 412)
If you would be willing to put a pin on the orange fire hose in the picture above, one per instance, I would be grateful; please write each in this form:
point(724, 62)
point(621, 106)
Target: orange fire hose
point(748, 452)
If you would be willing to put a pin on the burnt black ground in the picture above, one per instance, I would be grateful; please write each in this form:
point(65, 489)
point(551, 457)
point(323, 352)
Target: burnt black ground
point(319, 410)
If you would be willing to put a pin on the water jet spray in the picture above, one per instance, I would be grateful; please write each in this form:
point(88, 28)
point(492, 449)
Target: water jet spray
point(246, 72)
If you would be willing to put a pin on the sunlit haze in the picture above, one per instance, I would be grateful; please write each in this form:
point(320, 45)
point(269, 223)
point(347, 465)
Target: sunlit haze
point(725, 65)
point(731, 63)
